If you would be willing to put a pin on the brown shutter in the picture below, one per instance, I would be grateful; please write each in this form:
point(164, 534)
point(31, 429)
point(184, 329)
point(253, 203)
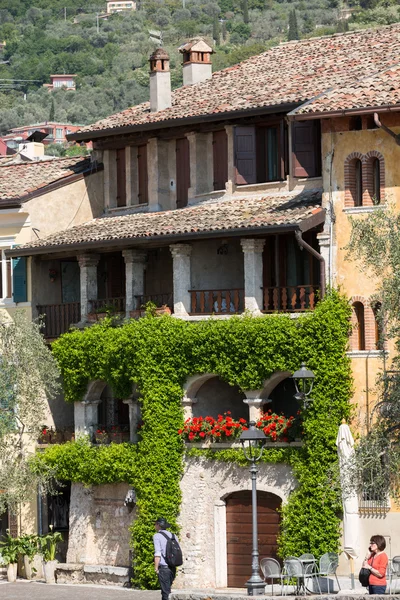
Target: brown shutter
point(121, 177)
point(245, 155)
point(182, 172)
point(143, 175)
point(306, 144)
point(220, 159)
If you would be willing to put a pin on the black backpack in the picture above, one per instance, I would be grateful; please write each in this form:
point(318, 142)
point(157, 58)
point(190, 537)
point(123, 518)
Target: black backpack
point(173, 553)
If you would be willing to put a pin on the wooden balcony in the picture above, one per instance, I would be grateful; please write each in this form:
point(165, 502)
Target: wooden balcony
point(288, 298)
point(157, 299)
point(58, 318)
point(208, 302)
point(115, 304)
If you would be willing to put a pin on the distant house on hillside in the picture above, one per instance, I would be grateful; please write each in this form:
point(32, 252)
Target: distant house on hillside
point(61, 81)
point(115, 6)
point(56, 133)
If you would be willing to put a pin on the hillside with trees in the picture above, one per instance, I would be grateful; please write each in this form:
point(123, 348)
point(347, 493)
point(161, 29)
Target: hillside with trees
point(110, 56)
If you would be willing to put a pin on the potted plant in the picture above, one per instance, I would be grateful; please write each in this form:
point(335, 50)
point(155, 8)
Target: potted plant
point(44, 436)
point(29, 549)
point(101, 436)
point(10, 551)
point(163, 310)
point(105, 311)
point(48, 547)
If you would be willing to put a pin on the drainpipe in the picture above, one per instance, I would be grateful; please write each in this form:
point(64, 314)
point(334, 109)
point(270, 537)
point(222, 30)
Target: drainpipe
point(386, 129)
point(317, 255)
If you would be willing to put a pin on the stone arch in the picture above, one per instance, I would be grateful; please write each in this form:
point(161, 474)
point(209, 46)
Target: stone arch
point(374, 167)
point(276, 383)
point(94, 390)
point(366, 321)
point(271, 383)
point(199, 389)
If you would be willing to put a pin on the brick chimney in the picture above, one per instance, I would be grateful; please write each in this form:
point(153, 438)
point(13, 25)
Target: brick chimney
point(197, 65)
point(160, 81)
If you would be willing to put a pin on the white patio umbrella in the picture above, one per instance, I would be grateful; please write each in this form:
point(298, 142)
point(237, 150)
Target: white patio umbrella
point(351, 520)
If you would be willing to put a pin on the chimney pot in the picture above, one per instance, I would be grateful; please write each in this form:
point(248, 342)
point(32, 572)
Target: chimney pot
point(197, 65)
point(160, 81)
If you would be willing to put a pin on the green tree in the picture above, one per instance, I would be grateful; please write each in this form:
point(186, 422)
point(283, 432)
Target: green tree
point(293, 33)
point(52, 115)
point(28, 380)
point(245, 9)
point(216, 31)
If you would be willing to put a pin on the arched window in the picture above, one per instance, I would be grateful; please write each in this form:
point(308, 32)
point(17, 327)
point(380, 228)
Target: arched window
point(353, 180)
point(379, 326)
point(358, 183)
point(358, 308)
point(376, 181)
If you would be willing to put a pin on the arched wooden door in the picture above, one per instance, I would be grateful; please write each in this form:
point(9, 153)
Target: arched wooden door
point(239, 532)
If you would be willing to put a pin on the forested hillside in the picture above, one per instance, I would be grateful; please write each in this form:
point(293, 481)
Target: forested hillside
point(110, 57)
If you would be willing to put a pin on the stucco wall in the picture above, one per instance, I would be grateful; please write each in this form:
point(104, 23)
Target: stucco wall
point(205, 485)
point(216, 397)
point(99, 525)
point(216, 270)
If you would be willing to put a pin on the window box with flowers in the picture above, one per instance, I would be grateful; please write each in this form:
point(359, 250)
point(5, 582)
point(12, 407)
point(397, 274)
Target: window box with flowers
point(101, 436)
point(207, 432)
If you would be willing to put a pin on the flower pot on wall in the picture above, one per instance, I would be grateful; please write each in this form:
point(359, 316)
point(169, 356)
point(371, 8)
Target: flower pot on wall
point(163, 310)
point(49, 569)
point(12, 572)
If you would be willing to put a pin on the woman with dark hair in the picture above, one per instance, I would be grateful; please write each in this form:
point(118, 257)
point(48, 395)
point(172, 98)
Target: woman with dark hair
point(376, 561)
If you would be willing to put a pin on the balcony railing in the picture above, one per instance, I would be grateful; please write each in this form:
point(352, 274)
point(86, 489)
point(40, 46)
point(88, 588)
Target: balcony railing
point(59, 317)
point(207, 302)
point(157, 299)
point(289, 298)
point(115, 304)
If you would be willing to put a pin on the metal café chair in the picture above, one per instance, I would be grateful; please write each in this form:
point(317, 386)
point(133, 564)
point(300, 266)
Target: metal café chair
point(293, 569)
point(310, 571)
point(328, 563)
point(394, 572)
point(271, 569)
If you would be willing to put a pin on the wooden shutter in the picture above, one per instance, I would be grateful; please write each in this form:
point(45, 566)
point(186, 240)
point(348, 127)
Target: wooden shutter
point(19, 279)
point(121, 177)
point(220, 159)
point(245, 155)
point(143, 175)
point(182, 172)
point(306, 148)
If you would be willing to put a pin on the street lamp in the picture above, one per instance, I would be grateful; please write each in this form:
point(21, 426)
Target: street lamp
point(250, 440)
point(303, 381)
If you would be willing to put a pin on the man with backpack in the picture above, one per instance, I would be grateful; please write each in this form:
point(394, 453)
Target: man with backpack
point(167, 556)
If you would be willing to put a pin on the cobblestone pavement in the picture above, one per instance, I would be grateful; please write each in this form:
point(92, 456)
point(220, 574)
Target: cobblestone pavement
point(29, 590)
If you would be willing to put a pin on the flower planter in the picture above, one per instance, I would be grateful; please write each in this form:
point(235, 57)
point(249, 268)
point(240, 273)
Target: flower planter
point(12, 572)
point(163, 310)
point(117, 438)
point(102, 438)
point(101, 315)
point(49, 569)
point(136, 314)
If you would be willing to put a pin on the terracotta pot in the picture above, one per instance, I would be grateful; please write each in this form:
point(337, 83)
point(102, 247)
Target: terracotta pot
point(12, 572)
point(49, 569)
point(101, 315)
point(136, 314)
point(163, 310)
point(91, 317)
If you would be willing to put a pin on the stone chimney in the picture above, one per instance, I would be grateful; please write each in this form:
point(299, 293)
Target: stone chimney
point(32, 150)
point(197, 65)
point(160, 81)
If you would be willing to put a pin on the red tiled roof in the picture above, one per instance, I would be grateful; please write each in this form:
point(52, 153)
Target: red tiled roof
point(289, 73)
point(19, 180)
point(379, 89)
point(274, 210)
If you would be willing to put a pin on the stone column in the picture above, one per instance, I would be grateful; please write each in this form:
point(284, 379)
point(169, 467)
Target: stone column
point(231, 183)
point(188, 407)
point(132, 176)
point(253, 274)
point(88, 266)
point(182, 278)
point(134, 418)
point(135, 265)
point(110, 178)
point(254, 402)
point(86, 417)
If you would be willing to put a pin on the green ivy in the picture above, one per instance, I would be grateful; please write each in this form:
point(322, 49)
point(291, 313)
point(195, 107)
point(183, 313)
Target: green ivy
point(158, 355)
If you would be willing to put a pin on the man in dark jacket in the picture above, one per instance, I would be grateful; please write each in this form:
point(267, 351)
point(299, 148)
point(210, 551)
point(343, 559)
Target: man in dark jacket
point(166, 574)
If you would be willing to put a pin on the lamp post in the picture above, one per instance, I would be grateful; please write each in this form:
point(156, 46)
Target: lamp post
point(250, 440)
point(303, 381)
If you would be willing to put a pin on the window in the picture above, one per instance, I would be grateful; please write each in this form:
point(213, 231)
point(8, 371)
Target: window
point(121, 177)
point(355, 123)
point(353, 181)
point(59, 133)
point(182, 172)
point(358, 189)
point(220, 159)
point(379, 326)
point(306, 149)
point(13, 277)
point(5, 276)
point(260, 153)
point(143, 184)
point(376, 181)
point(358, 309)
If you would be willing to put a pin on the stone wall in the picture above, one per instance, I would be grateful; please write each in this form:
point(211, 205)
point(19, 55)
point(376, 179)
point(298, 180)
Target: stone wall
point(99, 525)
point(205, 486)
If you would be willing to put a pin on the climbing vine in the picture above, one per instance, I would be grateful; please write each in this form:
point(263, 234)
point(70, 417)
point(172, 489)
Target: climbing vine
point(158, 355)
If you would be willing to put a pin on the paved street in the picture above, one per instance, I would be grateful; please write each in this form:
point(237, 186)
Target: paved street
point(27, 590)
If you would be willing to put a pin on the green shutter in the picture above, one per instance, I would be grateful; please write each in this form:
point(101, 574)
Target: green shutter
point(19, 279)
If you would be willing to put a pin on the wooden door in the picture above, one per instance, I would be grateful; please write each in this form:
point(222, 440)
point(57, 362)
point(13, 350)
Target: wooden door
point(182, 172)
point(239, 532)
point(220, 159)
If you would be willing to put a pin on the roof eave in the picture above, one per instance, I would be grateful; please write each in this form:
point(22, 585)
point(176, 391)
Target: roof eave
point(101, 133)
point(343, 112)
point(305, 225)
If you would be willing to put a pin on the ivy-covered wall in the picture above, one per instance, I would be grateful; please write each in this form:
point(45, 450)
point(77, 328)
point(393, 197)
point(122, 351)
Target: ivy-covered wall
point(158, 354)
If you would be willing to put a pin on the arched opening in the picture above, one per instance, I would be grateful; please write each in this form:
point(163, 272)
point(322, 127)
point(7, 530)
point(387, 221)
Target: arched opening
point(113, 416)
point(239, 532)
point(283, 401)
point(358, 308)
point(376, 181)
point(379, 330)
point(358, 187)
point(215, 397)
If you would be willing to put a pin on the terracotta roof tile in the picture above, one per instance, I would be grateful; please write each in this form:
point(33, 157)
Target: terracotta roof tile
point(20, 179)
point(269, 211)
point(379, 89)
point(289, 73)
